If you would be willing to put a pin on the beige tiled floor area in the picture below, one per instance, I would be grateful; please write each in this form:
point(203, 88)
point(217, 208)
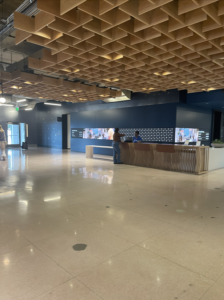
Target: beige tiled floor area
point(150, 234)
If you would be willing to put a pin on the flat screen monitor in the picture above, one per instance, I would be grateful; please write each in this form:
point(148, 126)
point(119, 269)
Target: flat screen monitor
point(186, 134)
point(93, 133)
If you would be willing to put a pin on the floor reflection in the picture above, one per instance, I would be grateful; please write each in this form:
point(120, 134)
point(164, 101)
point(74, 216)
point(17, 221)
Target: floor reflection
point(17, 160)
point(98, 174)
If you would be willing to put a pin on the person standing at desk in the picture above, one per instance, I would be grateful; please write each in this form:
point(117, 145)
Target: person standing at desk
point(116, 146)
point(137, 138)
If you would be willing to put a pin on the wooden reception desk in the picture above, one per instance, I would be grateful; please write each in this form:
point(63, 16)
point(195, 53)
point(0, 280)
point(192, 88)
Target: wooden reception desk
point(181, 158)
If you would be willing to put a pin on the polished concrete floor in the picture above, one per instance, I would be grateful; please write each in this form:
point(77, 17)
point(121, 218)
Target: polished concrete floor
point(149, 234)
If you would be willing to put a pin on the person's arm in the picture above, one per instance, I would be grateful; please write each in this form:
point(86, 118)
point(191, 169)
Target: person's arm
point(121, 134)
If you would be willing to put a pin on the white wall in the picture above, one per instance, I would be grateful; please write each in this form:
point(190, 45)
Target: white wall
point(216, 159)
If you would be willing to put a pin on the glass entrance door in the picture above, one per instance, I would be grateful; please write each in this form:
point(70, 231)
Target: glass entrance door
point(13, 134)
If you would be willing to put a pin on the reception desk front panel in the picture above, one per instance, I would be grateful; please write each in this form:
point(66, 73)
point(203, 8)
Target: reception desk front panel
point(181, 158)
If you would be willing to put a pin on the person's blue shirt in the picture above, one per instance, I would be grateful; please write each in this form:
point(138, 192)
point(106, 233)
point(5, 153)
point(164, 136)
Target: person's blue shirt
point(135, 140)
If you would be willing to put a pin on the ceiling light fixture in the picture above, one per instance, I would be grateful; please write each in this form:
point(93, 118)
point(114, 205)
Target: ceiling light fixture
point(189, 82)
point(6, 104)
point(23, 100)
point(104, 95)
point(209, 89)
point(15, 87)
point(76, 70)
point(111, 80)
point(166, 73)
point(74, 91)
point(149, 89)
point(48, 103)
point(28, 109)
point(27, 82)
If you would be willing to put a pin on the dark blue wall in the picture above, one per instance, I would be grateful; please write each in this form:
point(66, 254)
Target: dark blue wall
point(49, 131)
point(9, 114)
point(138, 112)
point(144, 116)
point(123, 114)
point(212, 100)
point(189, 116)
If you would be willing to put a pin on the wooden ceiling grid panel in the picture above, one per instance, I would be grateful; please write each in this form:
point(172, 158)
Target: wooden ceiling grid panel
point(142, 45)
point(42, 87)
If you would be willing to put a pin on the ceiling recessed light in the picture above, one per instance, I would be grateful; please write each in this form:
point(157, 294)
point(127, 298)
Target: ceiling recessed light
point(74, 91)
point(65, 95)
point(28, 109)
point(76, 70)
point(112, 80)
point(192, 81)
point(166, 73)
point(158, 74)
point(48, 103)
point(27, 82)
point(22, 100)
point(15, 87)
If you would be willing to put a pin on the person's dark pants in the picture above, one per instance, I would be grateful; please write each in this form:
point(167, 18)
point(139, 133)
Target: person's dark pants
point(116, 152)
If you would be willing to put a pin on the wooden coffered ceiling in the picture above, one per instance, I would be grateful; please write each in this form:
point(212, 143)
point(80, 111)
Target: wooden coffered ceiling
point(42, 87)
point(142, 45)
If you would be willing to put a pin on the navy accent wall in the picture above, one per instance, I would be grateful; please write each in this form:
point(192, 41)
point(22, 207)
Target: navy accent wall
point(189, 116)
point(140, 112)
point(9, 114)
point(144, 116)
point(49, 130)
point(212, 100)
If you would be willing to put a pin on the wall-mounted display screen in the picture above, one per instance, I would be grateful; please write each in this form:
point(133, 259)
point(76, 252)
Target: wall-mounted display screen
point(160, 135)
point(93, 133)
point(203, 136)
point(77, 133)
point(186, 134)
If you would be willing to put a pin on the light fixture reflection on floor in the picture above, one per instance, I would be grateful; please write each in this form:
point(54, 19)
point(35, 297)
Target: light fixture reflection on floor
point(2, 100)
point(7, 193)
point(52, 199)
point(24, 202)
point(55, 104)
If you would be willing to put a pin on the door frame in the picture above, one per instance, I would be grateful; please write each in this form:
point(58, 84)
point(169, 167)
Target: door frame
point(16, 123)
